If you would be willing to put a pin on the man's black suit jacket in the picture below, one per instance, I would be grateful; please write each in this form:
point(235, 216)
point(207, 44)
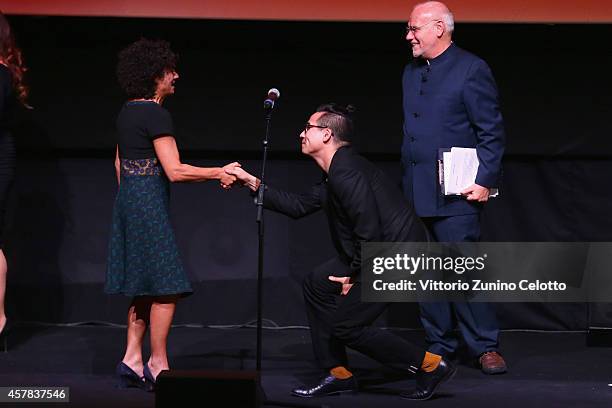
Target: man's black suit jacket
point(361, 203)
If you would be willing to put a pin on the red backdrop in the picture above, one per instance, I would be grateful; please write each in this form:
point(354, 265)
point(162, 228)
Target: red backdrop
point(581, 11)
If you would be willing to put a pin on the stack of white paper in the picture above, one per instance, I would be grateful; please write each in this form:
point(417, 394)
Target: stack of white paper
point(460, 166)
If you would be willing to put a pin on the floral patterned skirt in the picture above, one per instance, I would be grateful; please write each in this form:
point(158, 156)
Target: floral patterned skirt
point(143, 258)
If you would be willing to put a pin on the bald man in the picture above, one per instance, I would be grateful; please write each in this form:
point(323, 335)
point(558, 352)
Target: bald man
point(450, 99)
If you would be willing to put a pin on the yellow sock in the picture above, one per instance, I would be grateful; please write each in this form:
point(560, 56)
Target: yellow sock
point(430, 362)
point(341, 373)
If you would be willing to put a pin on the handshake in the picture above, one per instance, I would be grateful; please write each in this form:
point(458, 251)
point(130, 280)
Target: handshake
point(233, 173)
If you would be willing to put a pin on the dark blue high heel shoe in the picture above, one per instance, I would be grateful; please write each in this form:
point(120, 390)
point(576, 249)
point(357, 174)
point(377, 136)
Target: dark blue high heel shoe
point(128, 378)
point(148, 378)
point(4, 335)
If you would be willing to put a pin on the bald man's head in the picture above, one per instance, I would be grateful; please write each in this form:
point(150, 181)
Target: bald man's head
point(430, 29)
point(438, 11)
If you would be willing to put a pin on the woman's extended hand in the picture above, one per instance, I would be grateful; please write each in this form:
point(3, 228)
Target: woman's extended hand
point(226, 178)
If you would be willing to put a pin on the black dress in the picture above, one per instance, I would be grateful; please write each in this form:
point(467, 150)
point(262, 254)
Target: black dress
point(143, 258)
point(7, 144)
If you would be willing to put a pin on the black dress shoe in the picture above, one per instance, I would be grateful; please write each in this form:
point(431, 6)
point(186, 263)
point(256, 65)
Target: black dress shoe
point(427, 383)
point(330, 385)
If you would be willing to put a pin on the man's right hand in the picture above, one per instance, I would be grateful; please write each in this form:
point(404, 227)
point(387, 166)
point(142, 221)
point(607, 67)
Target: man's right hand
point(226, 179)
point(244, 177)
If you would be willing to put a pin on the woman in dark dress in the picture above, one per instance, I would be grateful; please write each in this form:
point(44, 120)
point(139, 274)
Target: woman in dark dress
point(12, 92)
point(143, 258)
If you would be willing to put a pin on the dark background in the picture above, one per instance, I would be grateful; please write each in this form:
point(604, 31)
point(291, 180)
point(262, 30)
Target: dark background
point(554, 80)
point(554, 84)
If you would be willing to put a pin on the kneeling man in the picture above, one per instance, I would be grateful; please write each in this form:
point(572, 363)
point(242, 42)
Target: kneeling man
point(362, 205)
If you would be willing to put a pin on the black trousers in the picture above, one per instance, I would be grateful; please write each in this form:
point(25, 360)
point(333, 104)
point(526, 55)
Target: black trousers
point(7, 171)
point(339, 321)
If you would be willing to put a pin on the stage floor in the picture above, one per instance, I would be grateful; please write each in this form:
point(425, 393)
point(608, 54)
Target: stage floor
point(546, 369)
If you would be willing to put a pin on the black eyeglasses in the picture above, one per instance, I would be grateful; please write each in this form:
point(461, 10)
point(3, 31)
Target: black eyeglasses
point(308, 126)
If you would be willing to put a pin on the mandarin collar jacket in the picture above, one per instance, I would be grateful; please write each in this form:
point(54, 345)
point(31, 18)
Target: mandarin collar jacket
point(449, 101)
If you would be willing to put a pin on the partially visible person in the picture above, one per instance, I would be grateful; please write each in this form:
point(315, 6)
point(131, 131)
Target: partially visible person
point(362, 205)
point(451, 100)
point(13, 91)
point(143, 260)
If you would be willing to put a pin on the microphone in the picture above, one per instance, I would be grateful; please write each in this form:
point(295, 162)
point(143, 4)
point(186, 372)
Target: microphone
point(273, 95)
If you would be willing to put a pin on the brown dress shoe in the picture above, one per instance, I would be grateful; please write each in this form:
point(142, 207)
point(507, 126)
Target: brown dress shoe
point(492, 362)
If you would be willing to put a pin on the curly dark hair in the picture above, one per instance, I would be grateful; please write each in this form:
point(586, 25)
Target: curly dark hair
point(141, 64)
point(10, 55)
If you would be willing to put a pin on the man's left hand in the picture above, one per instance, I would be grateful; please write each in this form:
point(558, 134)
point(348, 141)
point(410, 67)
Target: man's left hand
point(476, 192)
point(345, 281)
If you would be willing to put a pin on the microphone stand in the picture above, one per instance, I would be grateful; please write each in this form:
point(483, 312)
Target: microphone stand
point(260, 233)
point(260, 263)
